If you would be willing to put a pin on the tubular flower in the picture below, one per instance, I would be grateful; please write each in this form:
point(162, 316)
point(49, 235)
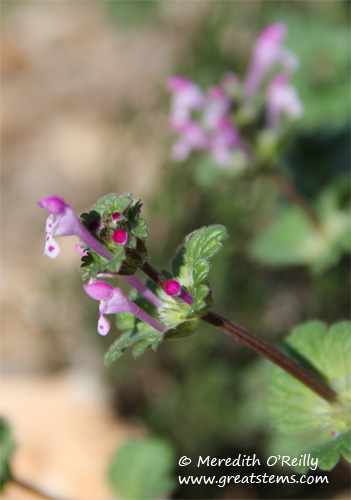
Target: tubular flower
point(63, 221)
point(192, 136)
point(186, 97)
point(225, 142)
point(282, 98)
point(174, 289)
point(113, 301)
point(268, 52)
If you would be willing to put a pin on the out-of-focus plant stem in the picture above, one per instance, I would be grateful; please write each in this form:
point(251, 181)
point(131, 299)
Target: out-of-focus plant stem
point(292, 194)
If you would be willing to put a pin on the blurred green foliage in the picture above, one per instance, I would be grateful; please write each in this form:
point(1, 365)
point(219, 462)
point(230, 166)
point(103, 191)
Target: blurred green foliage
point(141, 469)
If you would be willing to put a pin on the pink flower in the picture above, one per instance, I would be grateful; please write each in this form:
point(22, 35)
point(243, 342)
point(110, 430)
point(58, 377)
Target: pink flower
point(113, 301)
point(282, 99)
point(226, 140)
point(216, 107)
point(268, 52)
point(63, 221)
point(192, 136)
point(174, 289)
point(186, 97)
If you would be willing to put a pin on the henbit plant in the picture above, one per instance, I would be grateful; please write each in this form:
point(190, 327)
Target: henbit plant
point(242, 127)
point(171, 305)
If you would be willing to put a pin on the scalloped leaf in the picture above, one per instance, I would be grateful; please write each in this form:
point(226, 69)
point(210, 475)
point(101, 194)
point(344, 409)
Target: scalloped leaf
point(296, 408)
point(191, 264)
point(142, 337)
point(328, 453)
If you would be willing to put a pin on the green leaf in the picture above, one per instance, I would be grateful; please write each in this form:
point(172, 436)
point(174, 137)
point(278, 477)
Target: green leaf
point(142, 470)
point(296, 408)
point(329, 452)
point(7, 446)
point(292, 239)
point(142, 333)
point(191, 265)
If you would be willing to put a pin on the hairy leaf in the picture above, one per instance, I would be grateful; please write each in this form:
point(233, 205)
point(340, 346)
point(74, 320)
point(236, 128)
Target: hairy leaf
point(141, 470)
point(191, 265)
point(297, 409)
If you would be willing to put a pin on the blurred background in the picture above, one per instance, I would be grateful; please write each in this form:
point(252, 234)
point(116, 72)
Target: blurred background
point(84, 113)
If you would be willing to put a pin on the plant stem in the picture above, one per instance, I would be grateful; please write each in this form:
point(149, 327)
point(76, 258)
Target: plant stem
point(291, 193)
point(255, 343)
point(32, 489)
point(272, 354)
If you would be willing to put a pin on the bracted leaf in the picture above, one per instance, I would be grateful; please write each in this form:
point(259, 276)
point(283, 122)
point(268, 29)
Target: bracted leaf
point(181, 331)
point(113, 203)
point(296, 408)
point(191, 264)
point(142, 333)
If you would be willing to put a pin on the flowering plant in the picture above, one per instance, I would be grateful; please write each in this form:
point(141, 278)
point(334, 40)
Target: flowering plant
point(171, 305)
point(225, 120)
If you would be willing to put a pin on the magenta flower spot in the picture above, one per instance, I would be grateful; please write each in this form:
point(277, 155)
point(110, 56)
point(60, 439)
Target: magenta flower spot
point(52, 248)
point(116, 216)
point(54, 204)
point(335, 433)
point(120, 236)
point(172, 288)
point(103, 325)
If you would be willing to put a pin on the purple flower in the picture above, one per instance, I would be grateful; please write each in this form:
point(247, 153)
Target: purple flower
point(192, 136)
point(268, 52)
point(63, 222)
point(225, 142)
point(186, 97)
point(113, 301)
point(216, 107)
point(282, 99)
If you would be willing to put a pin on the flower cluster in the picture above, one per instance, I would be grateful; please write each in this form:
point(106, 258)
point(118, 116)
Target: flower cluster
point(209, 120)
point(108, 225)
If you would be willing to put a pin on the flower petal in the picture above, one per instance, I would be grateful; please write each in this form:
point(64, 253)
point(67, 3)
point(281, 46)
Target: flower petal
point(103, 325)
point(100, 290)
point(54, 204)
point(52, 248)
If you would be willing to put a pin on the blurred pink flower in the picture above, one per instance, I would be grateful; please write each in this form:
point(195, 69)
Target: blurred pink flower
point(226, 140)
point(186, 97)
point(216, 106)
point(282, 99)
point(268, 52)
point(192, 136)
